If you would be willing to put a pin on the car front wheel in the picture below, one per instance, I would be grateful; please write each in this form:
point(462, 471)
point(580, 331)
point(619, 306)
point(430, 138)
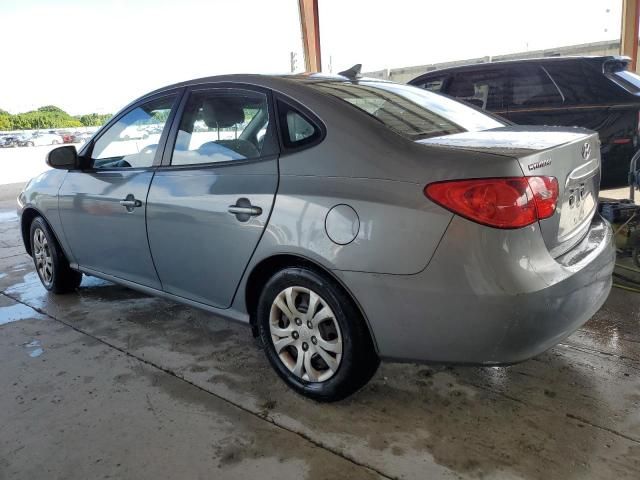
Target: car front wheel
point(314, 335)
point(51, 264)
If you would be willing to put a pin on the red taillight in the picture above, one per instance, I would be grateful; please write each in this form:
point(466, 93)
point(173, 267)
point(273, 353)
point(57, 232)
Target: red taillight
point(545, 193)
point(511, 202)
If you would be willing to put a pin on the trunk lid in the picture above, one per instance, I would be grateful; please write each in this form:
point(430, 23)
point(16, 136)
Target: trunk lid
point(572, 155)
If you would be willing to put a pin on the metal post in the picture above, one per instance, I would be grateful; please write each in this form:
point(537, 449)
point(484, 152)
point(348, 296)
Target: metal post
point(629, 31)
point(310, 26)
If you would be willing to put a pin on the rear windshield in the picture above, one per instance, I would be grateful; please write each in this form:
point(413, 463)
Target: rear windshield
point(410, 111)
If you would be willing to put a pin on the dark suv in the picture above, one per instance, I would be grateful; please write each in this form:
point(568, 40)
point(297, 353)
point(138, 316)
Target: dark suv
point(598, 93)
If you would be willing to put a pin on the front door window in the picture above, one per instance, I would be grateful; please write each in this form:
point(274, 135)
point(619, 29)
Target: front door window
point(132, 141)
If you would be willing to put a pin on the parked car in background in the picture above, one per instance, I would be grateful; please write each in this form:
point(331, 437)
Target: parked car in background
point(81, 137)
point(371, 221)
point(24, 140)
point(598, 93)
point(135, 133)
point(9, 141)
point(39, 138)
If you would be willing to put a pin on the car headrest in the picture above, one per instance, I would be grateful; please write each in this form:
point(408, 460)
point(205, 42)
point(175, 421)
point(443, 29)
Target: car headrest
point(222, 112)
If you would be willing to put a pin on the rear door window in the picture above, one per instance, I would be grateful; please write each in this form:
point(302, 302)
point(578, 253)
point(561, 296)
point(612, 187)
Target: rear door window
point(531, 86)
point(222, 125)
point(484, 89)
point(580, 83)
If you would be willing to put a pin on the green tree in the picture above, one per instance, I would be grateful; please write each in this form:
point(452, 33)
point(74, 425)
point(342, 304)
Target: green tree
point(52, 109)
point(5, 121)
point(93, 119)
point(47, 117)
point(42, 120)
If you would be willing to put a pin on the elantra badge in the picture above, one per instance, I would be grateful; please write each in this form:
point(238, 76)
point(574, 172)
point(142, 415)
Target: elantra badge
point(540, 164)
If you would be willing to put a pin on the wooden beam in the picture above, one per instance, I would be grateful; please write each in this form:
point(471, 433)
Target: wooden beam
point(310, 26)
point(629, 31)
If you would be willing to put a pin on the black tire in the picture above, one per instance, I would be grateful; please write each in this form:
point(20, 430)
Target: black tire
point(358, 361)
point(58, 277)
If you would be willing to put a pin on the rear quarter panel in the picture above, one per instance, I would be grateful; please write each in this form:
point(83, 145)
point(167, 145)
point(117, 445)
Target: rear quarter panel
point(396, 230)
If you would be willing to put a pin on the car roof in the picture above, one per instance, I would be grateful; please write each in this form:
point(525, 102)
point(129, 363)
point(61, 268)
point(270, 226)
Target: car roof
point(597, 60)
point(278, 82)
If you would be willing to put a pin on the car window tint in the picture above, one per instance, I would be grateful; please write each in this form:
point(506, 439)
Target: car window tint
point(531, 86)
point(582, 84)
point(221, 125)
point(133, 140)
point(297, 129)
point(483, 89)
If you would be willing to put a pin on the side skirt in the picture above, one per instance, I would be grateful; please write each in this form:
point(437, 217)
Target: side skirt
point(229, 314)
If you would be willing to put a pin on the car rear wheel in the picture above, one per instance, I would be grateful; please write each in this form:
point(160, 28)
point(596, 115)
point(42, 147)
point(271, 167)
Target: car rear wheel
point(51, 264)
point(314, 336)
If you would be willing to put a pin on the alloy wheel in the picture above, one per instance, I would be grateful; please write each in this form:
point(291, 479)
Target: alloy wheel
point(305, 334)
point(42, 255)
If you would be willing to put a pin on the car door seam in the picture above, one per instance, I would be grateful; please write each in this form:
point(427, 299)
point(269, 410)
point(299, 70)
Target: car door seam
point(264, 229)
point(146, 228)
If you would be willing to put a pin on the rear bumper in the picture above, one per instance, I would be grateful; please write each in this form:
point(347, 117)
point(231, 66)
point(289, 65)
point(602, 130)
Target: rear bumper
point(488, 296)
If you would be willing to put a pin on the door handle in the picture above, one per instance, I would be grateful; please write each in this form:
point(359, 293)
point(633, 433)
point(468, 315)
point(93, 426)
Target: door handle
point(251, 211)
point(130, 203)
point(243, 210)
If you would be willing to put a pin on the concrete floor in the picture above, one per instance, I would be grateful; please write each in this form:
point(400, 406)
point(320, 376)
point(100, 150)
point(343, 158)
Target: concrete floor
point(107, 382)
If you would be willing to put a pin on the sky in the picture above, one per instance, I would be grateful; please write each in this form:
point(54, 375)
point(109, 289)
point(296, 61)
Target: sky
point(97, 55)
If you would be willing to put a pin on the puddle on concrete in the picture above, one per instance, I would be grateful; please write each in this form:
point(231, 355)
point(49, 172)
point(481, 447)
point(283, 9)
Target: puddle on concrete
point(14, 313)
point(29, 291)
point(8, 216)
point(88, 282)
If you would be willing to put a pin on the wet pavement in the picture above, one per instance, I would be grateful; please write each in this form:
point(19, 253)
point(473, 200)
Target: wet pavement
point(110, 382)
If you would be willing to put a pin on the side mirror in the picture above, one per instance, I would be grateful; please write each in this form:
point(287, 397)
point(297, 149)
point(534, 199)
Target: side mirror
point(65, 158)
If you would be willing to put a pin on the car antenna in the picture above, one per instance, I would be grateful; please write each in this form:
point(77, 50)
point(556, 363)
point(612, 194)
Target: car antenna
point(352, 73)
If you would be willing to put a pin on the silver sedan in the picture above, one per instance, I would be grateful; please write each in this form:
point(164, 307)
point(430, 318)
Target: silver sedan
point(346, 220)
